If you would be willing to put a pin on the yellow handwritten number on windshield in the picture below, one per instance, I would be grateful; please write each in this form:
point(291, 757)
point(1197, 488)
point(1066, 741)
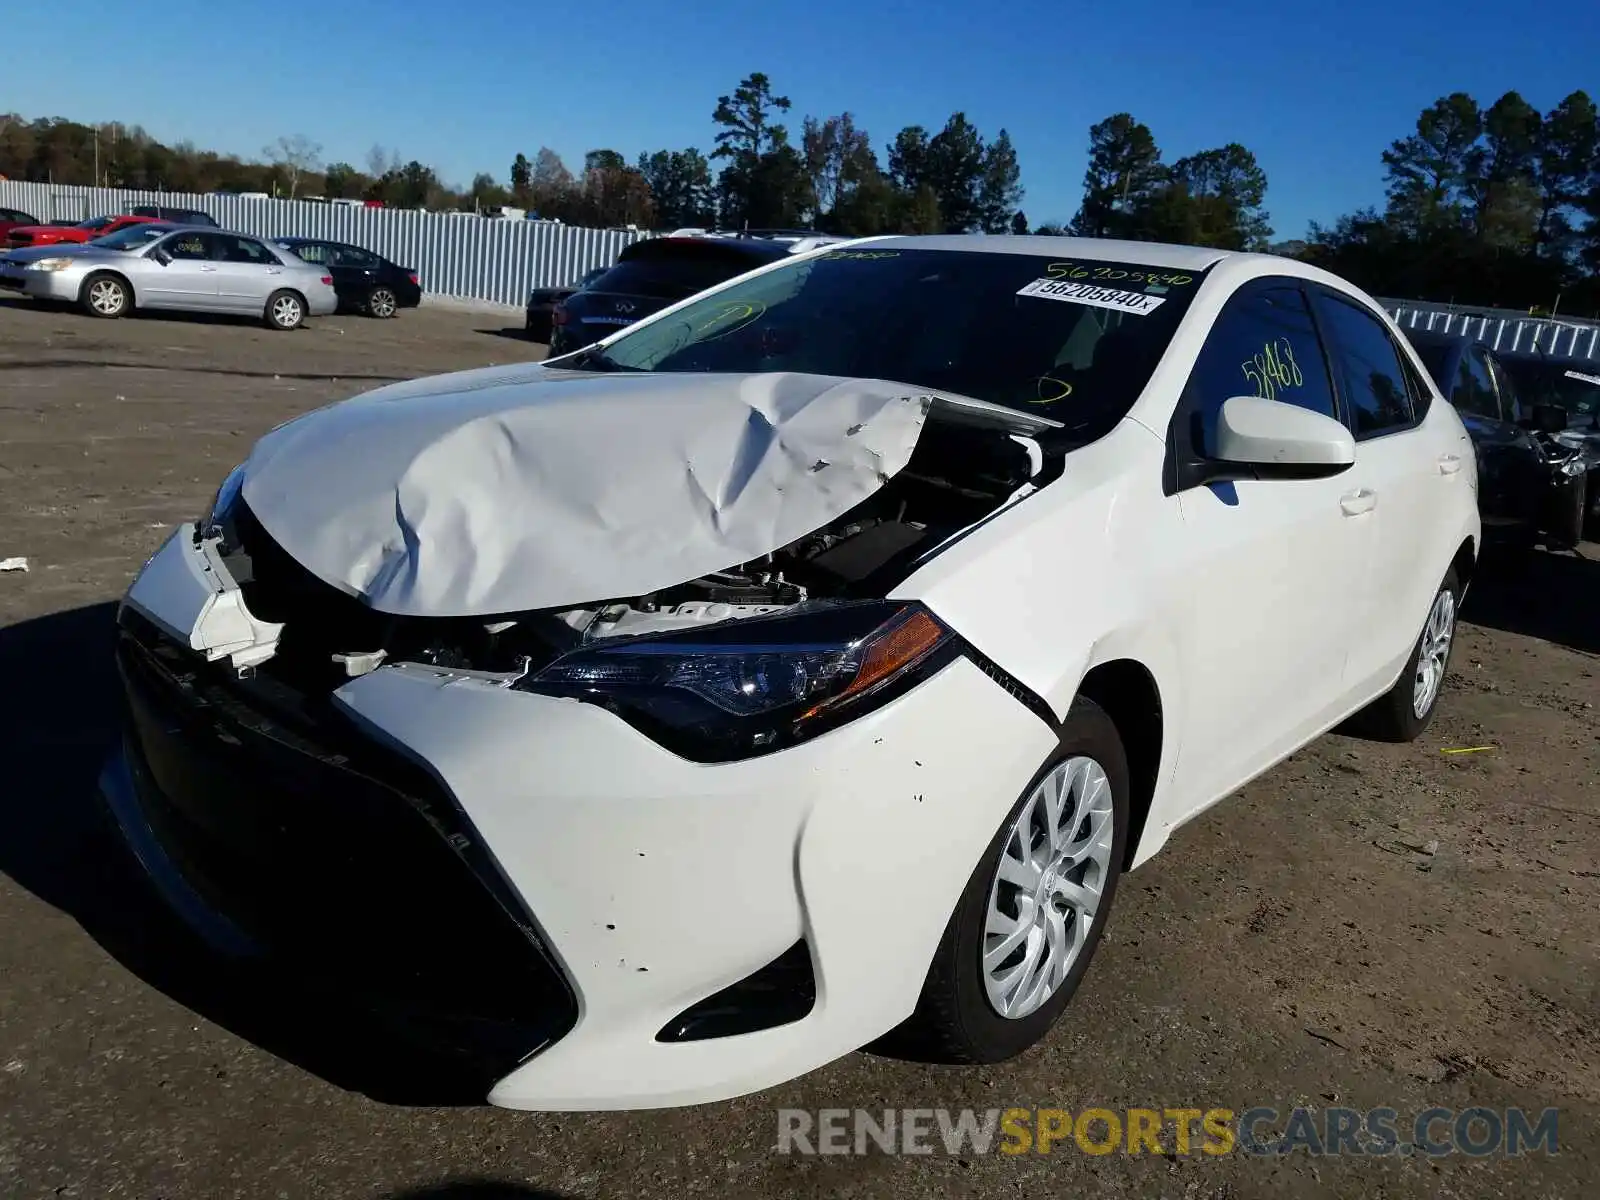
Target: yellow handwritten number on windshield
point(1048, 389)
point(1273, 370)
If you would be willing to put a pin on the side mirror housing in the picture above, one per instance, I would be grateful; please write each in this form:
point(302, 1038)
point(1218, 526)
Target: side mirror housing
point(161, 256)
point(1279, 440)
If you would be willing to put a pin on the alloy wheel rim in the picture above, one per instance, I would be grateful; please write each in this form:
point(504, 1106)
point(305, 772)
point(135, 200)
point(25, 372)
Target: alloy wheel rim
point(286, 311)
point(1054, 864)
point(106, 297)
point(382, 304)
point(1433, 653)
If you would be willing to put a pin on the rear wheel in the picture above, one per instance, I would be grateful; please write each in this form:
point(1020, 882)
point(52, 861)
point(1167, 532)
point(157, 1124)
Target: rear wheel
point(1027, 924)
point(1406, 709)
point(381, 303)
point(285, 311)
point(105, 296)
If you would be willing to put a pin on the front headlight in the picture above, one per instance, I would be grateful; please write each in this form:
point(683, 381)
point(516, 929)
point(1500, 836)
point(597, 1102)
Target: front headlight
point(758, 684)
point(1575, 466)
point(50, 264)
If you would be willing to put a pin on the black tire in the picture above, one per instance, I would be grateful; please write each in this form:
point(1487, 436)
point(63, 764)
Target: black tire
point(1393, 716)
point(382, 303)
point(285, 311)
point(1566, 527)
point(106, 296)
point(954, 1020)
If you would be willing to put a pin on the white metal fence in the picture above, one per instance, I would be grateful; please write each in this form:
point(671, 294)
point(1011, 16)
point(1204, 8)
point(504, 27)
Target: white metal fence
point(497, 260)
point(1506, 335)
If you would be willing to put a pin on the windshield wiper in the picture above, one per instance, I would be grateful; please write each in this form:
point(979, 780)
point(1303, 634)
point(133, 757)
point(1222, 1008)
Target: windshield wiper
point(592, 358)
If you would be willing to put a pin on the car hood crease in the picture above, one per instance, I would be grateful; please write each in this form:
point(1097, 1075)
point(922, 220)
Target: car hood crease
point(491, 491)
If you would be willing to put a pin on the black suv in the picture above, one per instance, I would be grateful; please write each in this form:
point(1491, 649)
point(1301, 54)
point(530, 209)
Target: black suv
point(1528, 481)
point(178, 216)
point(650, 275)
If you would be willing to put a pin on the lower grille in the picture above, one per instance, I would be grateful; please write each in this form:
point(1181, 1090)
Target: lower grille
point(335, 855)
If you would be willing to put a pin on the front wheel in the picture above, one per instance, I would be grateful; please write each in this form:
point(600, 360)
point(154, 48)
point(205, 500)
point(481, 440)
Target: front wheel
point(1027, 924)
point(1406, 709)
point(105, 296)
point(1566, 528)
point(285, 311)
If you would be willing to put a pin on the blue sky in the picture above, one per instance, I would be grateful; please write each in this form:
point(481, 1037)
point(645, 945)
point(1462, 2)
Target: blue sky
point(1315, 90)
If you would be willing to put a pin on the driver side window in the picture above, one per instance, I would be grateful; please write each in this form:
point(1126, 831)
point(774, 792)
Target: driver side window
point(1264, 344)
point(189, 246)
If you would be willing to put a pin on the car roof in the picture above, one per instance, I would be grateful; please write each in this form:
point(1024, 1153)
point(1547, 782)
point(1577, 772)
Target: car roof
point(752, 247)
point(1163, 255)
point(1436, 338)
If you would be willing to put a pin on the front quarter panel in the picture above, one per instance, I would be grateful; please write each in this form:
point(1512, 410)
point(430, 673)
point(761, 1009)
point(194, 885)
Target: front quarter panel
point(1077, 575)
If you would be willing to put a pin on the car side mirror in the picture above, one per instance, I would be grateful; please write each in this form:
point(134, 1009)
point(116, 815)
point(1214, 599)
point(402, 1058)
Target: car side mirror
point(1549, 418)
point(1282, 441)
point(161, 256)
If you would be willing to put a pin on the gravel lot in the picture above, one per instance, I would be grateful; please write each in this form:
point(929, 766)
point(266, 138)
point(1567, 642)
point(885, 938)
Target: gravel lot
point(1298, 945)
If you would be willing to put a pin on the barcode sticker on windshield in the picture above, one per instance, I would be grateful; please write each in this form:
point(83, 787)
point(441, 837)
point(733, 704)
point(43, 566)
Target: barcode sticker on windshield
point(1136, 303)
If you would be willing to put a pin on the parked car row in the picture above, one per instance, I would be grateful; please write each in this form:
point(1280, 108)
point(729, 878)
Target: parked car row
point(1536, 471)
point(112, 266)
point(650, 275)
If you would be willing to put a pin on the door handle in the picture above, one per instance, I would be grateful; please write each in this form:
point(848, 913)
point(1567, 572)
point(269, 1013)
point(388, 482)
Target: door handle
point(1353, 504)
point(1449, 464)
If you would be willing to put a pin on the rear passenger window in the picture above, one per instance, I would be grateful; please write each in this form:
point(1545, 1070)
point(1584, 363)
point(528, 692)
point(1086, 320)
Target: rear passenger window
point(1264, 344)
point(1369, 366)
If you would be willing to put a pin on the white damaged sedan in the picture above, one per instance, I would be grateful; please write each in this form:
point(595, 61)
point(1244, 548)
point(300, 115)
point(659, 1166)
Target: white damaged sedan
point(803, 664)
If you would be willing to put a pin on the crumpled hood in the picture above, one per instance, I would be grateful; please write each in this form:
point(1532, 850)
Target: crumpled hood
point(524, 487)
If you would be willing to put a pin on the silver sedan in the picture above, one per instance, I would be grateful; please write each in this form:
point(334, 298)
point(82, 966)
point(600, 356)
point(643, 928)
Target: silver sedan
point(184, 268)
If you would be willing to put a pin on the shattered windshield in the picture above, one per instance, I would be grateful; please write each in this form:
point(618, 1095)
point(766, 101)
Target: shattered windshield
point(1075, 341)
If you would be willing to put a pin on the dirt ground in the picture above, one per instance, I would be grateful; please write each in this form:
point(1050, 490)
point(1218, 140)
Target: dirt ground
point(1300, 944)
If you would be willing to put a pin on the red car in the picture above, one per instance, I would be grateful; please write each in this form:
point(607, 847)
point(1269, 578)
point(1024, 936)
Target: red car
point(84, 231)
point(11, 218)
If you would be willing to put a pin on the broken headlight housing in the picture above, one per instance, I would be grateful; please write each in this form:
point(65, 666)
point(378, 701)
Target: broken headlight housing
point(217, 511)
point(759, 684)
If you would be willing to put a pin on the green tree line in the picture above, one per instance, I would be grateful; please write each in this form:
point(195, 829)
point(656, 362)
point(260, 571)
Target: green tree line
point(1484, 206)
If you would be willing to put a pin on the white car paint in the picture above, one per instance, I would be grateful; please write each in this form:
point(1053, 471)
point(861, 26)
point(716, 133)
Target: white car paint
point(1264, 612)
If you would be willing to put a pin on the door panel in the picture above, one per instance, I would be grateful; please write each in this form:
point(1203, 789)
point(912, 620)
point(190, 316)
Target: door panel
point(1268, 619)
point(248, 274)
point(1268, 623)
point(1414, 466)
point(189, 280)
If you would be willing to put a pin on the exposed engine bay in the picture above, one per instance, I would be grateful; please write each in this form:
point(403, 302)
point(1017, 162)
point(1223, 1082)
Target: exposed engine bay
point(956, 477)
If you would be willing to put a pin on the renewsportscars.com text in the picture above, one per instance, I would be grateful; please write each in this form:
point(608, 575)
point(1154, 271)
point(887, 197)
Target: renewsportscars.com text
point(1433, 1132)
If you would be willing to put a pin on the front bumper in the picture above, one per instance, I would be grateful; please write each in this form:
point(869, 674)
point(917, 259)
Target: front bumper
point(43, 285)
point(653, 883)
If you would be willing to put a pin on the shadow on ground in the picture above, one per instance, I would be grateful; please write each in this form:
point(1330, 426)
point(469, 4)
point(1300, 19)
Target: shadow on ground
point(1553, 595)
point(515, 333)
point(474, 1189)
point(55, 843)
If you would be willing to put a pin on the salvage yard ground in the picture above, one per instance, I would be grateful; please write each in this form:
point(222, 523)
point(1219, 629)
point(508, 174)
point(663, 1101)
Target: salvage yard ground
point(1366, 925)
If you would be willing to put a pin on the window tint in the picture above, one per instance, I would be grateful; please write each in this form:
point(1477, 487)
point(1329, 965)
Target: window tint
point(311, 252)
point(1369, 365)
point(352, 256)
point(1264, 344)
point(1477, 396)
point(246, 250)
